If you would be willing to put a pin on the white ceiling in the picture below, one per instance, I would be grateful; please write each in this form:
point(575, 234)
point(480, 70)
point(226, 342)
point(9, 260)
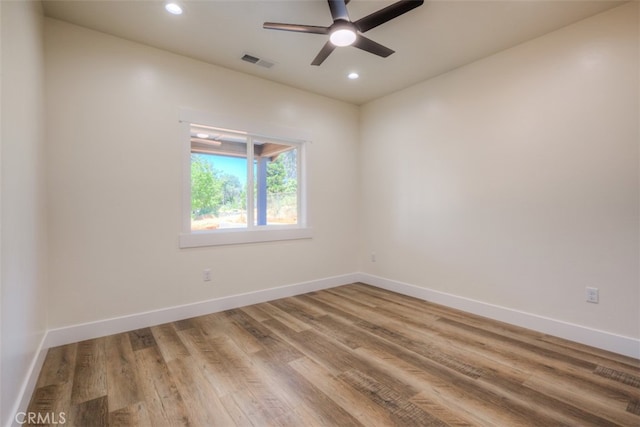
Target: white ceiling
point(434, 38)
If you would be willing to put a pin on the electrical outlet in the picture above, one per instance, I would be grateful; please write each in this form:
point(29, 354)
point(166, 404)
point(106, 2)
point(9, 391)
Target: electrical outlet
point(593, 295)
point(373, 257)
point(206, 275)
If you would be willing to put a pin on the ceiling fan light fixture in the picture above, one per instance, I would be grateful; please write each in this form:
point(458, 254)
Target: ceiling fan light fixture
point(343, 37)
point(173, 8)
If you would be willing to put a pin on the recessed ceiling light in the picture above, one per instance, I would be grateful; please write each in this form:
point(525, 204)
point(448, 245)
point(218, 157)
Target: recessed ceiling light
point(202, 135)
point(353, 75)
point(173, 8)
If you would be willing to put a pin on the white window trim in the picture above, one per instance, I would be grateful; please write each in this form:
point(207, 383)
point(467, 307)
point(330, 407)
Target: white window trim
point(236, 236)
point(268, 233)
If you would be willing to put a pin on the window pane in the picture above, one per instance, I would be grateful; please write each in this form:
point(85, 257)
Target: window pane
point(276, 183)
point(242, 181)
point(218, 179)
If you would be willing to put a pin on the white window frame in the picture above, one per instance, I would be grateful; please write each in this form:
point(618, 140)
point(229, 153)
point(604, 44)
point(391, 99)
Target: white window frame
point(252, 233)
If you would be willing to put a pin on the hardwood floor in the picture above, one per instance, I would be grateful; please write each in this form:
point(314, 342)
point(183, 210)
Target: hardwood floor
point(348, 356)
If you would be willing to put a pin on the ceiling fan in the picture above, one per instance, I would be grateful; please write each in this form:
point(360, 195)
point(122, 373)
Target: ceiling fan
point(344, 32)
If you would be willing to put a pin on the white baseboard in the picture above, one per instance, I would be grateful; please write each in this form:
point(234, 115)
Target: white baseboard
point(28, 385)
point(600, 339)
point(100, 328)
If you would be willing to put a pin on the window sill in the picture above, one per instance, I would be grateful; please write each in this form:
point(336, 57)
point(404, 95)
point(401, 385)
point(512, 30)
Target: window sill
point(241, 236)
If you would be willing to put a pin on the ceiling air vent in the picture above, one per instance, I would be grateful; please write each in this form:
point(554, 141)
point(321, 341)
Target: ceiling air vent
point(258, 61)
point(250, 58)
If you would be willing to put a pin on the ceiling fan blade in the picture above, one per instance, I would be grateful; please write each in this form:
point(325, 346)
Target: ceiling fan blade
point(386, 14)
point(338, 9)
point(324, 53)
point(311, 29)
point(372, 47)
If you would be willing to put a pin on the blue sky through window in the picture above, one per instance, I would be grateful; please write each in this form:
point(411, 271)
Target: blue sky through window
point(236, 166)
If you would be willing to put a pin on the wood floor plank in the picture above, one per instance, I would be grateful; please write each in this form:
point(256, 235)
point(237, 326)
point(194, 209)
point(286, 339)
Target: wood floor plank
point(250, 408)
point(52, 394)
point(543, 341)
point(303, 306)
point(269, 341)
point(438, 387)
point(94, 413)
point(339, 330)
point(447, 416)
point(243, 339)
point(310, 343)
point(213, 325)
point(201, 401)
point(469, 356)
point(214, 368)
point(265, 399)
point(133, 415)
point(294, 417)
point(230, 372)
point(169, 342)
point(437, 311)
point(317, 300)
point(393, 304)
point(164, 402)
point(141, 338)
point(51, 399)
point(256, 313)
point(532, 403)
point(601, 409)
point(122, 372)
point(284, 317)
point(618, 376)
point(90, 374)
point(596, 355)
point(239, 417)
point(336, 358)
point(313, 405)
point(58, 366)
point(610, 384)
point(354, 355)
point(634, 407)
point(470, 389)
point(183, 324)
point(535, 349)
point(403, 411)
point(347, 305)
point(427, 351)
point(407, 327)
point(351, 400)
point(508, 381)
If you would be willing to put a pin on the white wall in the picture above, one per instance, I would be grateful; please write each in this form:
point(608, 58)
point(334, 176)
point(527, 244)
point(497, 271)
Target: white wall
point(114, 179)
point(514, 180)
point(23, 233)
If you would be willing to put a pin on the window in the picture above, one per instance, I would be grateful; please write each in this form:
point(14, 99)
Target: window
point(242, 187)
